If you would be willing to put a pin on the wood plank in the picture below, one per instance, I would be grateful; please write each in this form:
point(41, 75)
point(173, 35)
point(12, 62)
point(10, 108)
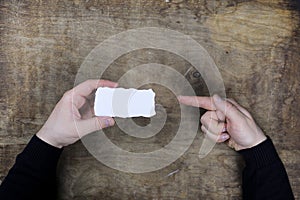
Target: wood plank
point(255, 44)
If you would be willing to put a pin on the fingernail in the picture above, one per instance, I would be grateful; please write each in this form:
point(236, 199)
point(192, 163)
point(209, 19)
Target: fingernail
point(224, 137)
point(224, 130)
point(217, 98)
point(109, 122)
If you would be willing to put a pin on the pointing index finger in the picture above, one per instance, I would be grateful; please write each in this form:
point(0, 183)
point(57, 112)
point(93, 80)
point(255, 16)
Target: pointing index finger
point(197, 101)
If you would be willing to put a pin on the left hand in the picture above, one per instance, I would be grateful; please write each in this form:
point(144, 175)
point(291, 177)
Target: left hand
point(226, 120)
point(72, 117)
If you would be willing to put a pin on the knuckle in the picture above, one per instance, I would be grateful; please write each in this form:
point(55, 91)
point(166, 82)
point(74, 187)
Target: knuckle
point(203, 129)
point(206, 117)
point(229, 106)
point(68, 95)
point(98, 124)
point(203, 119)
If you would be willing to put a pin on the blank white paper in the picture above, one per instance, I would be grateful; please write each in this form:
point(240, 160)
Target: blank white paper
point(120, 102)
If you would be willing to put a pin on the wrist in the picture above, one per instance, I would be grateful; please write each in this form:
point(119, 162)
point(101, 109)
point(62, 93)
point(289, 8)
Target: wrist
point(254, 143)
point(258, 140)
point(252, 139)
point(260, 155)
point(47, 137)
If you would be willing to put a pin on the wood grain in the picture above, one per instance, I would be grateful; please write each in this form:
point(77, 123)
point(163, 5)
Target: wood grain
point(255, 44)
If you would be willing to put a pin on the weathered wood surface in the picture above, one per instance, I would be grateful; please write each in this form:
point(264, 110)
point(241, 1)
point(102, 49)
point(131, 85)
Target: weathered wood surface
point(255, 44)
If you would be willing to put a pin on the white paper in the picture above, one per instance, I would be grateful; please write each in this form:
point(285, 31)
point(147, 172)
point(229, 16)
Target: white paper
point(120, 102)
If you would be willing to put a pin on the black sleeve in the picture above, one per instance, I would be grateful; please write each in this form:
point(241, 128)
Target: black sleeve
point(33, 176)
point(264, 176)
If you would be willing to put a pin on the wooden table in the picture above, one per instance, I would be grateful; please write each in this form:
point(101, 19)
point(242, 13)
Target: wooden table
point(255, 45)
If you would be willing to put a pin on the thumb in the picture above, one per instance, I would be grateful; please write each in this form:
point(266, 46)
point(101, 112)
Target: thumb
point(87, 126)
point(227, 108)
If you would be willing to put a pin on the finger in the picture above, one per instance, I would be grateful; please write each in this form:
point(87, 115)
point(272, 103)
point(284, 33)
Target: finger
point(215, 137)
point(209, 115)
point(217, 115)
point(208, 134)
point(201, 102)
point(212, 125)
point(223, 137)
point(82, 91)
point(87, 126)
point(227, 108)
point(220, 116)
point(87, 87)
point(241, 109)
point(224, 130)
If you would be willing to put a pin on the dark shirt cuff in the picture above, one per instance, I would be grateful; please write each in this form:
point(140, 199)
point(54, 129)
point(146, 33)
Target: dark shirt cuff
point(260, 155)
point(41, 152)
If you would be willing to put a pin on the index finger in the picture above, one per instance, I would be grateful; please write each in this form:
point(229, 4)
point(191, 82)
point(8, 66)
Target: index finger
point(87, 87)
point(197, 101)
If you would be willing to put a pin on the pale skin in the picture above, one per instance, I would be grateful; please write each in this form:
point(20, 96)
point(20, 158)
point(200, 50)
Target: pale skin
point(73, 118)
point(226, 120)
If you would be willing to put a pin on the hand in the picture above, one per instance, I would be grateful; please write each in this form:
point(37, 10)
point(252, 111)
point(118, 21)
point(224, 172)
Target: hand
point(226, 120)
point(72, 117)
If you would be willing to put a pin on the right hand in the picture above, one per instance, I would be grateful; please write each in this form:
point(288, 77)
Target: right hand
point(226, 120)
